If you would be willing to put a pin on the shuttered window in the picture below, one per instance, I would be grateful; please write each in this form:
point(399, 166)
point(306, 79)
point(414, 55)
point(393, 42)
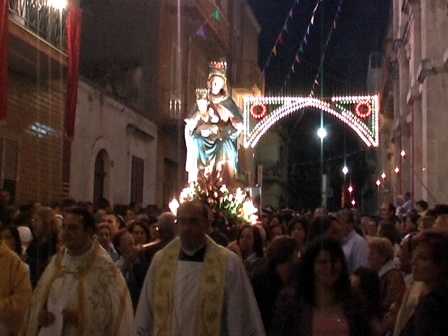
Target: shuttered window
point(137, 174)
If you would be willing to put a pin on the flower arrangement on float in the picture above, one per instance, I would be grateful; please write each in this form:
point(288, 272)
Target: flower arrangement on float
point(235, 205)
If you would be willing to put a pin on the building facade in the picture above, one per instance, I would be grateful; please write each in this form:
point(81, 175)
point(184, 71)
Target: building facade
point(33, 143)
point(113, 150)
point(414, 97)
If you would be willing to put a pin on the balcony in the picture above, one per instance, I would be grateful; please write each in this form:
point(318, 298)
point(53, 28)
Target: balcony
point(201, 10)
point(37, 39)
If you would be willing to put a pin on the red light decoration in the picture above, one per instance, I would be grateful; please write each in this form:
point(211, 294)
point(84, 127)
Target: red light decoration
point(363, 109)
point(258, 111)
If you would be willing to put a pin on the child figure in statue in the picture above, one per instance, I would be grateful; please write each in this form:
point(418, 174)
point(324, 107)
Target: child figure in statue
point(201, 137)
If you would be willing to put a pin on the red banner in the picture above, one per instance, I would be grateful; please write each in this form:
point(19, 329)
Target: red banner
point(74, 19)
point(4, 35)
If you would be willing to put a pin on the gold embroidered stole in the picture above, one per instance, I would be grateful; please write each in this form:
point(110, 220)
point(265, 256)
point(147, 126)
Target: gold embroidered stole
point(80, 275)
point(211, 298)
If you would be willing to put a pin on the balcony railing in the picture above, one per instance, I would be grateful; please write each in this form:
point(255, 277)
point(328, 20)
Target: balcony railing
point(41, 18)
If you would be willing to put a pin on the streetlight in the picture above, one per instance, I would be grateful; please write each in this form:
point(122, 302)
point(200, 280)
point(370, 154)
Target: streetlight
point(378, 183)
point(345, 170)
point(322, 133)
point(383, 175)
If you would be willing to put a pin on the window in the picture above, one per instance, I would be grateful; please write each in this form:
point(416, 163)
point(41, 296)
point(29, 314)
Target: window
point(9, 150)
point(137, 179)
point(175, 96)
point(99, 176)
point(169, 181)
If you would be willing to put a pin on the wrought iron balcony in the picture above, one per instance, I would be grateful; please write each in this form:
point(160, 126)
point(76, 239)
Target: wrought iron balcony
point(37, 38)
point(44, 20)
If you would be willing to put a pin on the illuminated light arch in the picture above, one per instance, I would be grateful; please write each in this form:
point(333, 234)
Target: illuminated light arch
point(342, 108)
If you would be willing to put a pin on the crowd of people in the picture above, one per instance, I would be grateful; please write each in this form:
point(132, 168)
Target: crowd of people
point(71, 269)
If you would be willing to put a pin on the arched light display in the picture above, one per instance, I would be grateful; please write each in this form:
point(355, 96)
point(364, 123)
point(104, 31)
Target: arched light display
point(342, 108)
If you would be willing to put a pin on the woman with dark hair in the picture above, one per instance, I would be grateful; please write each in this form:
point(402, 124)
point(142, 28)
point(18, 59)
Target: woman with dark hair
point(281, 256)
point(366, 283)
point(275, 230)
point(298, 228)
point(249, 246)
point(10, 235)
point(140, 232)
point(430, 266)
point(326, 225)
point(322, 302)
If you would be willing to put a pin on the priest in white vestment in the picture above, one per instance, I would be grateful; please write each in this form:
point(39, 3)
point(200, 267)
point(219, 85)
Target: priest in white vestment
point(81, 292)
point(196, 287)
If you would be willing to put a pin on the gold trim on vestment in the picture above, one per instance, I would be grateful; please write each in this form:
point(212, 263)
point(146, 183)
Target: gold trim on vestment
point(121, 310)
point(211, 298)
point(80, 274)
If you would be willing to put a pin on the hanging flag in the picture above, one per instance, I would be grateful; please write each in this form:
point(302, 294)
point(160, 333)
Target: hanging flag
point(312, 19)
point(216, 15)
point(308, 30)
point(297, 58)
point(201, 32)
point(293, 69)
point(285, 27)
point(290, 13)
point(74, 20)
point(274, 51)
point(280, 39)
point(4, 36)
point(298, 2)
point(334, 24)
point(305, 40)
point(301, 48)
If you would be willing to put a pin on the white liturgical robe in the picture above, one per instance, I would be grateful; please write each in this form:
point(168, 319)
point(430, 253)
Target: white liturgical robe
point(240, 314)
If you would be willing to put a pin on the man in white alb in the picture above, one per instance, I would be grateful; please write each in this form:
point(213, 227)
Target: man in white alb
point(81, 292)
point(196, 287)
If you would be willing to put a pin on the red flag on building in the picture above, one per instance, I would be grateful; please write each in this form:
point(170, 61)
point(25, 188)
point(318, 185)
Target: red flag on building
point(74, 19)
point(4, 35)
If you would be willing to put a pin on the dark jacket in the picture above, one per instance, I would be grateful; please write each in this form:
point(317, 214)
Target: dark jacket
point(430, 316)
point(267, 286)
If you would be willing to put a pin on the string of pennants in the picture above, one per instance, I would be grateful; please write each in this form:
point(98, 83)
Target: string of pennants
point(321, 64)
point(280, 38)
point(201, 32)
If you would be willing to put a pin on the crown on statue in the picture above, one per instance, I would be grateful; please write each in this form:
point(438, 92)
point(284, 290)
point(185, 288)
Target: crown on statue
point(217, 69)
point(202, 93)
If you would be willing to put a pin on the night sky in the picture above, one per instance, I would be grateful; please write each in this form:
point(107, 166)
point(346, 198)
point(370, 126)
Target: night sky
point(360, 30)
